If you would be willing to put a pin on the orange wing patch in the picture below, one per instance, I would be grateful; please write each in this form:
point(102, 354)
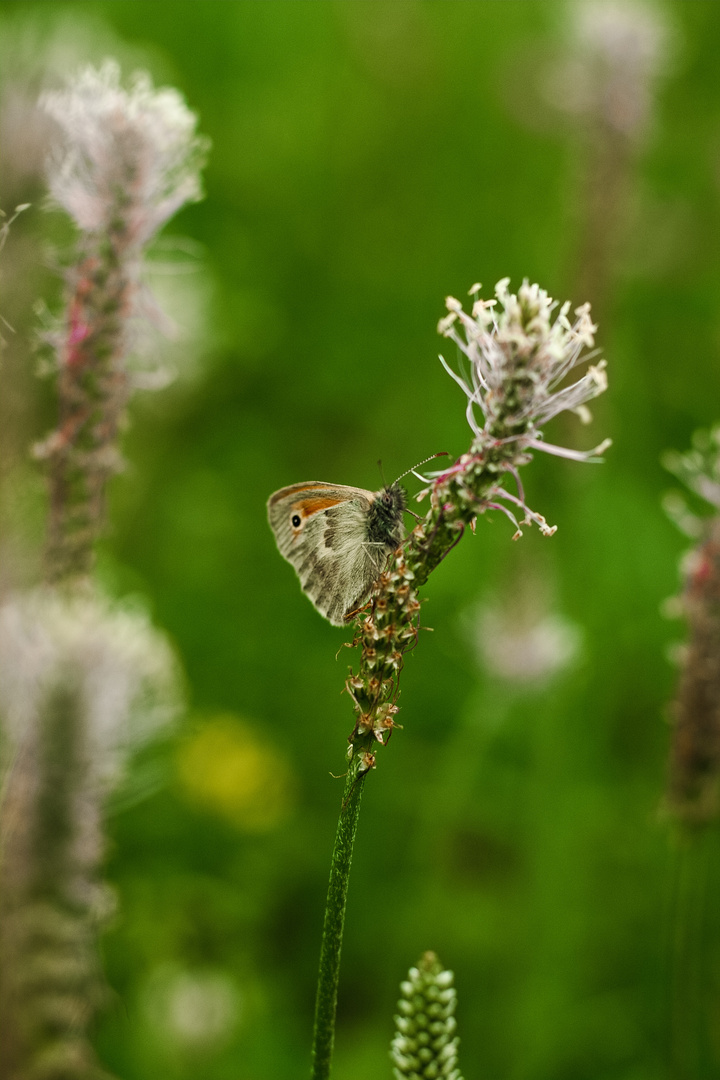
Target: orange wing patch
point(307, 507)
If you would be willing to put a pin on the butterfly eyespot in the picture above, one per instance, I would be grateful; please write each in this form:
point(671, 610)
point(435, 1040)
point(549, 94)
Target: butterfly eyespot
point(296, 521)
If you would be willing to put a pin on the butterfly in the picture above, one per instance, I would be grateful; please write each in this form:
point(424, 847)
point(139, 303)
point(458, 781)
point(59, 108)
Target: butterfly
point(338, 539)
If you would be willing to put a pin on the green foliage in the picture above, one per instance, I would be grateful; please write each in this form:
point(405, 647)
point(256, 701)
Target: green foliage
point(369, 159)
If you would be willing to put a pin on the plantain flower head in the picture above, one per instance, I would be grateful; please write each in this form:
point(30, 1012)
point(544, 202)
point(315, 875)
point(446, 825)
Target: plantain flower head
point(699, 469)
point(425, 1043)
point(520, 353)
point(617, 52)
point(133, 152)
point(125, 669)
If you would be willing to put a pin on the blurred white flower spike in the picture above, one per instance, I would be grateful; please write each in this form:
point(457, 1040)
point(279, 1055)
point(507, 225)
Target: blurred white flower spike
point(129, 159)
point(124, 669)
point(135, 151)
point(616, 52)
point(693, 789)
point(83, 683)
point(699, 468)
point(524, 647)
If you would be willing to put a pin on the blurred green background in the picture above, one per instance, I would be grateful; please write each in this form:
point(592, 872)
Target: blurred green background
point(368, 158)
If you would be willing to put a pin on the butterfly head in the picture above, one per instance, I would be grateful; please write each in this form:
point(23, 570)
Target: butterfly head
point(385, 516)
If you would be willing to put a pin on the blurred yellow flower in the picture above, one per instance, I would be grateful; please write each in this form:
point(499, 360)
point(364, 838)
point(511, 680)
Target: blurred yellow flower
point(225, 767)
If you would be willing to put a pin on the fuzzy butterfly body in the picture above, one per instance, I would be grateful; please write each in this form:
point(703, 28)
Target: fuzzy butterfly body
point(338, 539)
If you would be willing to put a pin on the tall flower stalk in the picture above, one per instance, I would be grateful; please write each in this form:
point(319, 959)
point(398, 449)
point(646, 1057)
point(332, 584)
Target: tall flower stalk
point(130, 159)
point(82, 681)
point(692, 797)
point(694, 769)
point(607, 81)
point(521, 352)
point(82, 684)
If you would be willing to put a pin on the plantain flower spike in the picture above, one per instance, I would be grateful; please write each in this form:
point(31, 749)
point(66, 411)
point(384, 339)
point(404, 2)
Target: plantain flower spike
point(693, 795)
point(129, 159)
point(126, 161)
point(425, 1043)
point(522, 350)
point(617, 52)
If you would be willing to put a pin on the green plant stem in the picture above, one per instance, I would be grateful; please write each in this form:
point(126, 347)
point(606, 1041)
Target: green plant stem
point(329, 974)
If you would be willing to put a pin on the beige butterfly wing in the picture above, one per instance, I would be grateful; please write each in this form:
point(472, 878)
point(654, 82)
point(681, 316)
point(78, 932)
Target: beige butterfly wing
point(321, 529)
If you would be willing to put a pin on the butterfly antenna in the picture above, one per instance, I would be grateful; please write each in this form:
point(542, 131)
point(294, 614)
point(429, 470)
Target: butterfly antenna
point(440, 453)
point(382, 474)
